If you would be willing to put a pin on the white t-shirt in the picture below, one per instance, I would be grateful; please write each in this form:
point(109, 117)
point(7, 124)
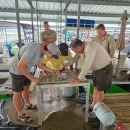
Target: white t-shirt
point(95, 57)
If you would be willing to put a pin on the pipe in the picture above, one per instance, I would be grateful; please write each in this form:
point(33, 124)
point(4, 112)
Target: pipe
point(18, 23)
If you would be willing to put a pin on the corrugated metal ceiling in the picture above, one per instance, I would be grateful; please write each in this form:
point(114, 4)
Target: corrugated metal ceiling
point(51, 6)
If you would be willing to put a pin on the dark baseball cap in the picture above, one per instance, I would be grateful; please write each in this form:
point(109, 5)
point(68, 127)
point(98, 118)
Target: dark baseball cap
point(63, 47)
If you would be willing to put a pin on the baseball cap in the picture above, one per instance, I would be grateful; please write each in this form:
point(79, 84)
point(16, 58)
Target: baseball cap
point(53, 48)
point(63, 47)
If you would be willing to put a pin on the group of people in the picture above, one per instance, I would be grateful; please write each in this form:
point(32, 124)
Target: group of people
point(50, 57)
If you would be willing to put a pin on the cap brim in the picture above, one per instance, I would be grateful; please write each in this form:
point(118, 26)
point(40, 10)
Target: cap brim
point(64, 53)
point(55, 56)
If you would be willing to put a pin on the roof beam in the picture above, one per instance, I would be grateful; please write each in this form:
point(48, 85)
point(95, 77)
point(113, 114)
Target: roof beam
point(67, 5)
point(26, 19)
point(58, 13)
point(108, 22)
point(93, 2)
point(53, 20)
point(30, 3)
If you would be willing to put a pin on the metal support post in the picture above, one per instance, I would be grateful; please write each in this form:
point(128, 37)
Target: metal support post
point(37, 22)
point(18, 23)
point(60, 20)
point(6, 36)
point(102, 127)
point(78, 23)
point(39, 103)
point(40, 25)
point(65, 24)
point(32, 24)
point(78, 17)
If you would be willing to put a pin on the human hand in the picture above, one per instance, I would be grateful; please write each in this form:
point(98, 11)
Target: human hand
point(46, 74)
point(34, 79)
point(74, 81)
point(64, 67)
point(44, 42)
point(72, 72)
point(55, 72)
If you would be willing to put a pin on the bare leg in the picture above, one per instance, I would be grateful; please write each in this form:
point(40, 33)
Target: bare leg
point(17, 102)
point(49, 92)
point(57, 91)
point(50, 95)
point(57, 94)
point(94, 96)
point(18, 105)
point(100, 96)
point(25, 95)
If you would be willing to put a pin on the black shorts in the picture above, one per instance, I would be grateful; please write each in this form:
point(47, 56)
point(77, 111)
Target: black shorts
point(102, 78)
point(18, 82)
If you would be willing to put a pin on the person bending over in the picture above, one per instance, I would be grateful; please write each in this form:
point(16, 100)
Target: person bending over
point(59, 55)
point(28, 56)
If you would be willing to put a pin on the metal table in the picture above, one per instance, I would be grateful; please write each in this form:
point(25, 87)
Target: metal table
point(7, 84)
point(54, 82)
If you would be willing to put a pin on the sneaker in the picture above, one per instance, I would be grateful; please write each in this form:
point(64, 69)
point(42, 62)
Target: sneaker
point(90, 108)
point(92, 115)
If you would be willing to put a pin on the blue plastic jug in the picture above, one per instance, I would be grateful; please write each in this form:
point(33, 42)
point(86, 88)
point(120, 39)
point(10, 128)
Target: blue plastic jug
point(104, 114)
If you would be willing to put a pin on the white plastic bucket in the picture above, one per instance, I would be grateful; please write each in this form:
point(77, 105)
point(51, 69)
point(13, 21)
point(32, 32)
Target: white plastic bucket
point(104, 114)
point(68, 91)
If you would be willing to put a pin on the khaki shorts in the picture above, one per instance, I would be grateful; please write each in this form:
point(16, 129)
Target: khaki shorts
point(102, 78)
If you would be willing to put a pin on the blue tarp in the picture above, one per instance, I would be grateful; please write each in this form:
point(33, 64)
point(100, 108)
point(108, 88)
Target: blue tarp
point(83, 23)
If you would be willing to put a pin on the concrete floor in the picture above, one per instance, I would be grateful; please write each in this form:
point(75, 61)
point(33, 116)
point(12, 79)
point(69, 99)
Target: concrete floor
point(58, 115)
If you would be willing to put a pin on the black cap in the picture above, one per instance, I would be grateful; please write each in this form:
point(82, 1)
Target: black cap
point(63, 47)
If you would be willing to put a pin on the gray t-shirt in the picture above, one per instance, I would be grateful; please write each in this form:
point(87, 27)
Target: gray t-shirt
point(31, 52)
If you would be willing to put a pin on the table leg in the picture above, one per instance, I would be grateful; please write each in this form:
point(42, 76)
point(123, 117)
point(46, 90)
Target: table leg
point(42, 95)
point(39, 104)
point(77, 93)
point(87, 102)
point(102, 127)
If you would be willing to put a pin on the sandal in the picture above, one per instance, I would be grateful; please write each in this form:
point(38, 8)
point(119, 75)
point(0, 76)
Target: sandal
point(31, 107)
point(24, 118)
point(58, 98)
point(50, 99)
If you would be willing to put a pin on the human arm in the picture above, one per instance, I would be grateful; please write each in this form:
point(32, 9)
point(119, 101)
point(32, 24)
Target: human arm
point(22, 68)
point(43, 41)
point(48, 40)
point(42, 66)
point(53, 38)
point(89, 57)
point(71, 70)
point(72, 61)
point(112, 46)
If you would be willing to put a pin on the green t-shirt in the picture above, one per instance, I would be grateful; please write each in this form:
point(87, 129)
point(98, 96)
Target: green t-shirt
point(44, 35)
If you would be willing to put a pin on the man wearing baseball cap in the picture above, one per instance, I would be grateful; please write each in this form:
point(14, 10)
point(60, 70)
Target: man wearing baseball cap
point(59, 54)
point(28, 56)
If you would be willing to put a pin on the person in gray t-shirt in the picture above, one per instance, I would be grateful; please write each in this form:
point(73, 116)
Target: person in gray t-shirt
point(28, 56)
